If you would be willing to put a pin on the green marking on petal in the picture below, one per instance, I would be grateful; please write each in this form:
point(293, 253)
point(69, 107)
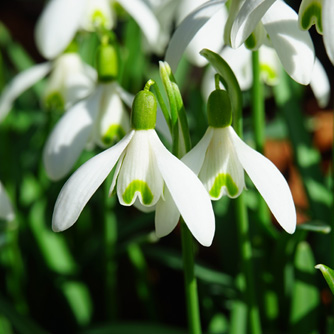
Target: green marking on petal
point(250, 42)
point(99, 19)
point(270, 73)
point(140, 186)
point(114, 133)
point(221, 181)
point(54, 101)
point(312, 15)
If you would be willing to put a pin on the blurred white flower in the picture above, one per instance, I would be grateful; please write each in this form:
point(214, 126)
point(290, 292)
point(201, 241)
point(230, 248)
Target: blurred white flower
point(62, 19)
point(70, 80)
point(6, 209)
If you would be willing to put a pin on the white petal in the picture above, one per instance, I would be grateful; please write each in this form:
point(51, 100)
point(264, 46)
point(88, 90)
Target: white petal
point(145, 19)
point(194, 159)
point(320, 84)
point(188, 193)
point(246, 20)
point(269, 182)
point(270, 65)
point(81, 186)
point(167, 215)
point(221, 172)
point(139, 175)
point(113, 120)
point(294, 47)
point(126, 97)
point(69, 137)
point(328, 27)
point(57, 26)
point(6, 209)
point(21, 83)
point(188, 29)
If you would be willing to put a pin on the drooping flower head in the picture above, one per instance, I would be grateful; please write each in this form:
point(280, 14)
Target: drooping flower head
point(221, 157)
point(146, 175)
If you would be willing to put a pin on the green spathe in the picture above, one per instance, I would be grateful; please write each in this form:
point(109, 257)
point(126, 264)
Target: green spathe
point(219, 109)
point(142, 188)
point(107, 63)
point(144, 111)
point(223, 180)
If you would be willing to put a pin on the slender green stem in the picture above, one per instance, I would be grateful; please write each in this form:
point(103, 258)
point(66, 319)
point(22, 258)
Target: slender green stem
point(194, 322)
point(258, 115)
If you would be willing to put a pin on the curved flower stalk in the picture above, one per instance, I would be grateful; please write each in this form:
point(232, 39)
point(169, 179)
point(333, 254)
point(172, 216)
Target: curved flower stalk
point(319, 13)
point(221, 157)
point(240, 61)
point(252, 21)
point(145, 170)
point(70, 80)
point(62, 19)
point(6, 209)
point(100, 119)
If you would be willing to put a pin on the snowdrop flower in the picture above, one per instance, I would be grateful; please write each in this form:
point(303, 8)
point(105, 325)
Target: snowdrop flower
point(253, 21)
point(6, 209)
point(221, 157)
point(70, 80)
point(320, 13)
point(62, 19)
point(240, 61)
point(145, 170)
point(100, 119)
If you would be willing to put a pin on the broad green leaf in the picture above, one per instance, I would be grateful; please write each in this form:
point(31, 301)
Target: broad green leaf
point(328, 274)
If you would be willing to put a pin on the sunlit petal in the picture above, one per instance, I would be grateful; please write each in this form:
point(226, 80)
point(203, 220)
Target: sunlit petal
point(188, 29)
point(194, 159)
point(188, 193)
point(81, 186)
point(269, 182)
point(57, 26)
point(294, 47)
point(145, 19)
point(139, 175)
point(6, 209)
point(328, 27)
point(320, 84)
point(69, 137)
point(21, 83)
point(246, 20)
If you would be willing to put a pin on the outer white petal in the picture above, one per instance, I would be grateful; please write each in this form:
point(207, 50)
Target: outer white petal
point(320, 84)
point(188, 193)
point(328, 27)
point(269, 182)
point(19, 84)
point(188, 29)
point(246, 20)
point(57, 26)
point(81, 186)
point(294, 47)
point(194, 159)
point(6, 209)
point(69, 137)
point(145, 19)
point(139, 164)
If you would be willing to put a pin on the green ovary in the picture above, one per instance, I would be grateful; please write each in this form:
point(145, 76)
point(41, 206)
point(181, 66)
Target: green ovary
point(312, 15)
point(221, 181)
point(140, 186)
point(115, 132)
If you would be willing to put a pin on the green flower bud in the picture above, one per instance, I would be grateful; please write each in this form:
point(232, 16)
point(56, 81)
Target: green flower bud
point(219, 109)
point(107, 63)
point(144, 111)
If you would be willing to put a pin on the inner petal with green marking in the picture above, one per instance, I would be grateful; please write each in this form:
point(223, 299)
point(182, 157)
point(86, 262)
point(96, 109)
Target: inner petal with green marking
point(115, 132)
point(312, 15)
point(223, 180)
point(138, 187)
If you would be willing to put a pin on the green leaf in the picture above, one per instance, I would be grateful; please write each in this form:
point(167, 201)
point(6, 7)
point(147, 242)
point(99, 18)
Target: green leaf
point(328, 274)
point(305, 297)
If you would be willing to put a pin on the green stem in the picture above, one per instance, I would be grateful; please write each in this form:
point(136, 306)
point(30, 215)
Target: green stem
point(194, 322)
point(258, 116)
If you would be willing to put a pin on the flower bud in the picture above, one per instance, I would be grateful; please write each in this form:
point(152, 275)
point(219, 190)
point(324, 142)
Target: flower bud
point(107, 63)
point(219, 109)
point(144, 111)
